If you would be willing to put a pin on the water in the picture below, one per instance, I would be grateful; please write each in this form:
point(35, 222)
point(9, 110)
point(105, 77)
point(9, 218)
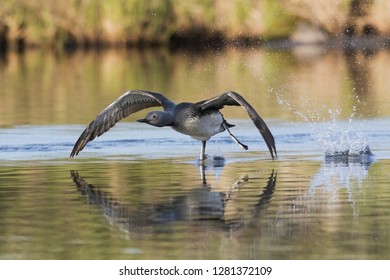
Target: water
point(138, 192)
point(340, 141)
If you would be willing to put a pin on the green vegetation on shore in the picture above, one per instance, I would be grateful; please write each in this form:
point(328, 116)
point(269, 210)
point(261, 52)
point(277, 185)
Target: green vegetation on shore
point(161, 22)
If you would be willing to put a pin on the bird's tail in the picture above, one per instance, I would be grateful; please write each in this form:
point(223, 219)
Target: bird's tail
point(229, 125)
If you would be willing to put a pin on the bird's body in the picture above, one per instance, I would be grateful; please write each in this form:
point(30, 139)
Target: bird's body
point(201, 127)
point(200, 120)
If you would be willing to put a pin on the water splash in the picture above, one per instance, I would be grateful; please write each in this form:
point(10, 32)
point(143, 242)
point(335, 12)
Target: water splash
point(339, 140)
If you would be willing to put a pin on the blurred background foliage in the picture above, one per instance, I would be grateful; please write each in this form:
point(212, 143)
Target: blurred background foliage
point(92, 23)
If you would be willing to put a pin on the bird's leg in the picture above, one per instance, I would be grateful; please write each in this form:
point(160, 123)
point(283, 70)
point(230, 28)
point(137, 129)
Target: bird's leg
point(202, 169)
point(245, 147)
point(202, 155)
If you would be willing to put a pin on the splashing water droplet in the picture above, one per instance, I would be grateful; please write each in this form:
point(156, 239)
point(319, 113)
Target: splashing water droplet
point(334, 137)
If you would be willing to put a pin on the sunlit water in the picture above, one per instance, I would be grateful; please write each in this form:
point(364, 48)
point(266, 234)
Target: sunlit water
point(138, 192)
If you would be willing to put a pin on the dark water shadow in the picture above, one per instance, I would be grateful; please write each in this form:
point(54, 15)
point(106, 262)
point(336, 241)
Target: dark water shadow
point(342, 171)
point(364, 157)
point(199, 204)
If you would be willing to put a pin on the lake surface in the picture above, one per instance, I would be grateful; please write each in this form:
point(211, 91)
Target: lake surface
point(138, 192)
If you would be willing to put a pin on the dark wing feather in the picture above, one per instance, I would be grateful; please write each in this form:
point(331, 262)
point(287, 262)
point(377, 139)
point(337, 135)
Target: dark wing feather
point(127, 104)
point(234, 99)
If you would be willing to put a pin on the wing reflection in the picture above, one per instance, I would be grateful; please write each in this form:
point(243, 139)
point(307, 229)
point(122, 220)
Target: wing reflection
point(201, 203)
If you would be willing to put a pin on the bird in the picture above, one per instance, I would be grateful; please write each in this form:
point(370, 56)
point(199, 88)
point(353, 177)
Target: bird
point(200, 120)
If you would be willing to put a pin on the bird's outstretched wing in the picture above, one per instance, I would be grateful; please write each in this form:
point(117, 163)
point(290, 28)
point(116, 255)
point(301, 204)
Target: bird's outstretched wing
point(231, 98)
point(130, 102)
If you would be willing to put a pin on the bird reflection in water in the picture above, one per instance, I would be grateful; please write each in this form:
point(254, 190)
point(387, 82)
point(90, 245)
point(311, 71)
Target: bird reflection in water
point(202, 203)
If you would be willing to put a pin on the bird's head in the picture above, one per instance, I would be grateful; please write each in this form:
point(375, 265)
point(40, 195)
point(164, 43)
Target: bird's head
point(158, 118)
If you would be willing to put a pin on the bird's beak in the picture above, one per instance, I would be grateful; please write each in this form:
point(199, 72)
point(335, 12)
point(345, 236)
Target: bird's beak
point(142, 120)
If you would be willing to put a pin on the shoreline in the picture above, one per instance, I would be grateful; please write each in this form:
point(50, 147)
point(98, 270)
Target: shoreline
point(200, 43)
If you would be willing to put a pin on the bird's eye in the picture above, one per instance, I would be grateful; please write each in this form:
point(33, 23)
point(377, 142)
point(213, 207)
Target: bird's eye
point(154, 116)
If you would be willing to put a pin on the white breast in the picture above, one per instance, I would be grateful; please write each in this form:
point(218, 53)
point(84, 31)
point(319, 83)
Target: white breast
point(201, 128)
